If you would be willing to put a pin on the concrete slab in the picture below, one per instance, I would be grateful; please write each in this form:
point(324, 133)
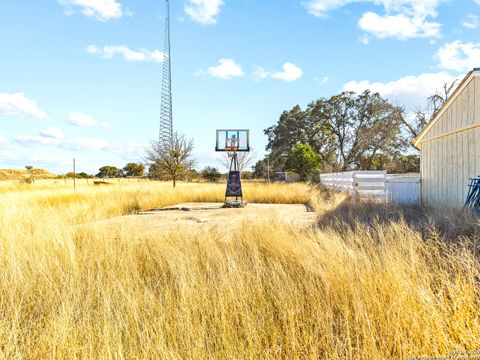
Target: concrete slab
point(206, 215)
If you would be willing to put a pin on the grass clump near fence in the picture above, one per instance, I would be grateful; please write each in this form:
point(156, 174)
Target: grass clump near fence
point(372, 285)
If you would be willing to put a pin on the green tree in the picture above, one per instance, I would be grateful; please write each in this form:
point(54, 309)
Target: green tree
point(298, 126)
point(84, 175)
point(247, 175)
point(171, 160)
point(303, 160)
point(405, 164)
point(346, 131)
point(109, 172)
point(134, 169)
point(211, 174)
point(260, 169)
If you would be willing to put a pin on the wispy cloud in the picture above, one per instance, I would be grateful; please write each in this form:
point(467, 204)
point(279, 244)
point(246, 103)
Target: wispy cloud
point(203, 11)
point(128, 150)
point(322, 80)
point(471, 21)
point(141, 55)
point(402, 19)
point(21, 105)
point(84, 120)
point(102, 10)
point(410, 91)
point(52, 132)
point(65, 143)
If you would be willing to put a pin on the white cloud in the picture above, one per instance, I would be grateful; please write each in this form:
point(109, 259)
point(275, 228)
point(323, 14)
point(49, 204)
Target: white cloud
point(471, 21)
point(204, 11)
point(128, 150)
point(52, 132)
point(21, 156)
point(290, 73)
point(459, 56)
point(261, 73)
point(408, 91)
point(400, 26)
point(226, 69)
point(66, 143)
point(19, 104)
point(32, 139)
point(84, 120)
point(141, 55)
point(321, 8)
point(102, 10)
point(402, 19)
point(86, 144)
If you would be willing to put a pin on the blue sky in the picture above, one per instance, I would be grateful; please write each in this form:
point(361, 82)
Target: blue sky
point(82, 78)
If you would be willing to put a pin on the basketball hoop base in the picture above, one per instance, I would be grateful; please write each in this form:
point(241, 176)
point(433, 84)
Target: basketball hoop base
point(234, 204)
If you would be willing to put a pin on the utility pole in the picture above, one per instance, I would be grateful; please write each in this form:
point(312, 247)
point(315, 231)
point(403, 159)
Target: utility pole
point(166, 108)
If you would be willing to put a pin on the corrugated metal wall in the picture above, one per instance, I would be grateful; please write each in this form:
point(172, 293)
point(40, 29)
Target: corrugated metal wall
point(448, 161)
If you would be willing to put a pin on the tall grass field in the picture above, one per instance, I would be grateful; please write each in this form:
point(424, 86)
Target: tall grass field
point(367, 282)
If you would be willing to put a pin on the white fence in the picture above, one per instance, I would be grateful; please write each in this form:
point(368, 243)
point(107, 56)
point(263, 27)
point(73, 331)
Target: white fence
point(403, 189)
point(361, 184)
point(397, 189)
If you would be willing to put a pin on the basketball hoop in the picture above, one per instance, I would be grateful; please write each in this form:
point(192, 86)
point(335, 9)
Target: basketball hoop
point(232, 142)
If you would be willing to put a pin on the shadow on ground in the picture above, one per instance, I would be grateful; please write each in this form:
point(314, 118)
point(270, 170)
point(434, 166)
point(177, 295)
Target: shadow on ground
point(450, 224)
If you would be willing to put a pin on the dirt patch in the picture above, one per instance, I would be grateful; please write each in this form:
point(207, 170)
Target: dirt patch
point(207, 215)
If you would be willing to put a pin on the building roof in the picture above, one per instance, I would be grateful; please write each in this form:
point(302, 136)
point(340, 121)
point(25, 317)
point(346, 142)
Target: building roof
point(466, 80)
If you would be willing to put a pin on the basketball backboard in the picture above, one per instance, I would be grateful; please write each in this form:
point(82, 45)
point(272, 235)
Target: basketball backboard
point(233, 140)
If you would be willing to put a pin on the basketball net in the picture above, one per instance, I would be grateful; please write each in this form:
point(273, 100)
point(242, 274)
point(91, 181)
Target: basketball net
point(232, 146)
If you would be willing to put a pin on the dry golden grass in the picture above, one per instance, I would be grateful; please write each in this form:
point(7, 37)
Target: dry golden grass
point(14, 174)
point(348, 289)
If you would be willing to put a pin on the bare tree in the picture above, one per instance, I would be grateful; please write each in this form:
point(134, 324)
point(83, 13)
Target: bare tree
point(171, 159)
point(245, 159)
point(436, 101)
point(419, 119)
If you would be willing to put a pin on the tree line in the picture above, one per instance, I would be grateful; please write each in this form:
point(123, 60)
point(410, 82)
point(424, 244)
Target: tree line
point(346, 132)
point(129, 170)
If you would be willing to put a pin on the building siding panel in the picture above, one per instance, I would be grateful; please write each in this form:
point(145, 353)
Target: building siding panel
point(447, 163)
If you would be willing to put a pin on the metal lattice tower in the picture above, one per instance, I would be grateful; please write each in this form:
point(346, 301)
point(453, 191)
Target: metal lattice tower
point(166, 113)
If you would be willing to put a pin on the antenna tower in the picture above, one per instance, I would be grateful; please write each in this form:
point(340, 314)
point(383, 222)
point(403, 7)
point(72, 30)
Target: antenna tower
point(166, 113)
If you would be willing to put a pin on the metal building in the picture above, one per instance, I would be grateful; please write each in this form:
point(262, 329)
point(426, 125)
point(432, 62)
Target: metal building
point(450, 146)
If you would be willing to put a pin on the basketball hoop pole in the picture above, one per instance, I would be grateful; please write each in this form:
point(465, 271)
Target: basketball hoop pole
point(233, 141)
point(234, 166)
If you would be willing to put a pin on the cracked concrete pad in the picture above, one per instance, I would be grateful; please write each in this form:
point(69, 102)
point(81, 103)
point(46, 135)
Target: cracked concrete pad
point(208, 215)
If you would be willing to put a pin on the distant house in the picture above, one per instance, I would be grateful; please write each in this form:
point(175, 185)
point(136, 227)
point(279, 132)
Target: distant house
point(450, 146)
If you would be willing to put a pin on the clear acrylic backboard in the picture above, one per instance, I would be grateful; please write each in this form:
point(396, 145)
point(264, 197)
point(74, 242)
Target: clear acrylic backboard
point(233, 140)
